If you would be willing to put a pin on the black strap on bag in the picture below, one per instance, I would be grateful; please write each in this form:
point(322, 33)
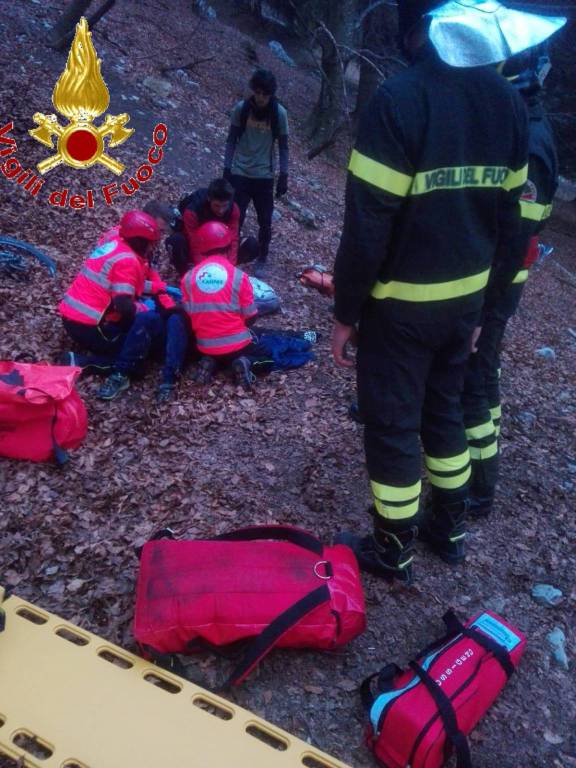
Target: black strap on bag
point(15, 379)
point(267, 639)
point(446, 710)
point(61, 455)
point(274, 117)
point(274, 532)
point(254, 650)
point(489, 644)
point(384, 682)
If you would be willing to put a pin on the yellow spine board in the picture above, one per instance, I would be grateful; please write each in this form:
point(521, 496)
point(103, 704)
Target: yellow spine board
point(69, 699)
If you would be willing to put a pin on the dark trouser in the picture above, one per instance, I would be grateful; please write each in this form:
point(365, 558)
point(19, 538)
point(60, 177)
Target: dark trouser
point(115, 349)
point(261, 193)
point(178, 345)
point(482, 409)
point(410, 378)
point(177, 247)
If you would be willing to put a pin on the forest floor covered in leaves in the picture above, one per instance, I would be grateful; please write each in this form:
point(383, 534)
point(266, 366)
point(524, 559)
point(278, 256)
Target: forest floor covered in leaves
point(285, 453)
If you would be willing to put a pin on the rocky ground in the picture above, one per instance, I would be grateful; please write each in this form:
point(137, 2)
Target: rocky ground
point(287, 452)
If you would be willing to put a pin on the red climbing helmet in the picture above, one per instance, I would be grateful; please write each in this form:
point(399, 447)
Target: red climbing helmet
point(213, 236)
point(139, 224)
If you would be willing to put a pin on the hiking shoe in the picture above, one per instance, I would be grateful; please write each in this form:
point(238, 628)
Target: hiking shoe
point(204, 372)
point(260, 270)
point(387, 562)
point(113, 386)
point(242, 372)
point(165, 392)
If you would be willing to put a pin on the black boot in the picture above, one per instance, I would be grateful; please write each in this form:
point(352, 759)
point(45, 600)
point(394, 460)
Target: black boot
point(444, 529)
point(384, 553)
point(481, 502)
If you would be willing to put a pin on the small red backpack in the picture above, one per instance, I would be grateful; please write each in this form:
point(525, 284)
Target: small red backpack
point(41, 414)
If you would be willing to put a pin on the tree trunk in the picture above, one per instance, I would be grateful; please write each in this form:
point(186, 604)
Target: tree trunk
point(379, 37)
point(66, 23)
point(367, 84)
point(331, 109)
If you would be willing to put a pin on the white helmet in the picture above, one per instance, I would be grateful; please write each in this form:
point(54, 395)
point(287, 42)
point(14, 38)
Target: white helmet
point(473, 33)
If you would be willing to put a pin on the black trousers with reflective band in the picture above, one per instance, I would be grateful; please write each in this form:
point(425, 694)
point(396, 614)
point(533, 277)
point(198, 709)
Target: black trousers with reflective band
point(410, 378)
point(481, 406)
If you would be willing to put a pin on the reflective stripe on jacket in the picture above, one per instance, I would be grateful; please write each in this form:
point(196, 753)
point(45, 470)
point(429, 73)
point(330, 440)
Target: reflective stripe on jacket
point(218, 299)
point(536, 200)
point(112, 269)
point(432, 198)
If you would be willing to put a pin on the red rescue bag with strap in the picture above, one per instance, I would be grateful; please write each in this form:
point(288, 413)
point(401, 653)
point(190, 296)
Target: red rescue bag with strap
point(41, 414)
point(420, 716)
point(269, 585)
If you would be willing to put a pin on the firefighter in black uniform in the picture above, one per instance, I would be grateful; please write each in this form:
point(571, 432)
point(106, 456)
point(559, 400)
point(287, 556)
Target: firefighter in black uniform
point(429, 239)
point(481, 395)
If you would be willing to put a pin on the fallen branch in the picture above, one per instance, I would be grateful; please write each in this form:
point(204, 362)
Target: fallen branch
point(190, 65)
point(65, 40)
point(109, 40)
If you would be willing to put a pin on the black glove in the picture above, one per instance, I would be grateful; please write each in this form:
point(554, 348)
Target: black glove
point(227, 174)
point(282, 184)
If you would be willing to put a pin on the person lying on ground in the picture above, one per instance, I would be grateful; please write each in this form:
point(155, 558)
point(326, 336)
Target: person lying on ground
point(214, 203)
point(100, 311)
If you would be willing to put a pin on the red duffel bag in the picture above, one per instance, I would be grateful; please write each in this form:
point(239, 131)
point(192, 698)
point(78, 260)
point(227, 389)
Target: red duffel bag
point(421, 715)
point(269, 585)
point(41, 413)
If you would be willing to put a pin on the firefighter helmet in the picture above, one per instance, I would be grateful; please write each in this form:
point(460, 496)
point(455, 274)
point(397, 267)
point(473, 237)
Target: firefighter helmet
point(473, 33)
point(139, 224)
point(213, 236)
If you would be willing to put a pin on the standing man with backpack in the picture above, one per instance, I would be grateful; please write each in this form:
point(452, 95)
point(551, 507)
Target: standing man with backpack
point(249, 163)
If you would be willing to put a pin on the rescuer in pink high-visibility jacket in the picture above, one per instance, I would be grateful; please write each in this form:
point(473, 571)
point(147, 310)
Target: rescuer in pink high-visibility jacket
point(153, 284)
point(219, 301)
point(112, 270)
point(100, 309)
